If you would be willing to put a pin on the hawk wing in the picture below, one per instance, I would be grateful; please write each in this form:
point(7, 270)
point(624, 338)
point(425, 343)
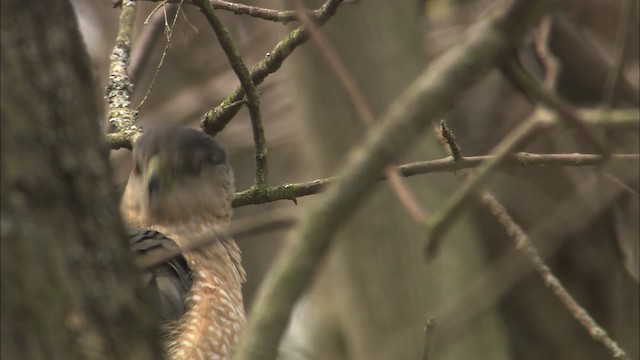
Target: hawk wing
point(169, 281)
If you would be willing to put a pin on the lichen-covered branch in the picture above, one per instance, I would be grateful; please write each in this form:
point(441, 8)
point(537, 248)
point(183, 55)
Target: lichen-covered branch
point(217, 118)
point(120, 87)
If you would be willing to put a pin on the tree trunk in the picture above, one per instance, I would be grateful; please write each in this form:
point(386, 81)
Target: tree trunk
point(69, 288)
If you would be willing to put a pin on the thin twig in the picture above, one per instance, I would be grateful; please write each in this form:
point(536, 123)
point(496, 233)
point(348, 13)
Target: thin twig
point(283, 16)
point(440, 222)
point(291, 192)
point(217, 118)
point(164, 52)
point(120, 87)
point(147, 41)
point(548, 59)
point(566, 217)
point(524, 244)
point(248, 87)
point(523, 80)
point(428, 97)
point(450, 140)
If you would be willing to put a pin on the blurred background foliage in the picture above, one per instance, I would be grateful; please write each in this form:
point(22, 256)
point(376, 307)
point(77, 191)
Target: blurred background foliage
point(375, 293)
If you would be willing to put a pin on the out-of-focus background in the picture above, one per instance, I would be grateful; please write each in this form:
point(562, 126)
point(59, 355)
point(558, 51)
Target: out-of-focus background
point(375, 294)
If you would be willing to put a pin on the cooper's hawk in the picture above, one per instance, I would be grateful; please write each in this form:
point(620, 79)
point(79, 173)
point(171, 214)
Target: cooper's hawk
point(180, 191)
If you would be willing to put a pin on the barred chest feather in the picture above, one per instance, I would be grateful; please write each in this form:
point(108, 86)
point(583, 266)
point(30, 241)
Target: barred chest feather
point(215, 316)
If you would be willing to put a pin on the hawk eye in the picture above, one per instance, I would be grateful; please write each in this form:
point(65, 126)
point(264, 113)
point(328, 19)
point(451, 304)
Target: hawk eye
point(194, 167)
point(136, 168)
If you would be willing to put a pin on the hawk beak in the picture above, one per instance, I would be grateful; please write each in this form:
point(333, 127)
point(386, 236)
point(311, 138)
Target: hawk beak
point(152, 178)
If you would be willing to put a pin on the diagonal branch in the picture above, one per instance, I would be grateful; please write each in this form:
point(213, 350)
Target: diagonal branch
point(519, 76)
point(524, 244)
point(539, 120)
point(363, 110)
point(248, 87)
point(428, 97)
point(217, 118)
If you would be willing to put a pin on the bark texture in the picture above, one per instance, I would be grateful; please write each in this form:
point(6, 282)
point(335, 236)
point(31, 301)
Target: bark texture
point(69, 290)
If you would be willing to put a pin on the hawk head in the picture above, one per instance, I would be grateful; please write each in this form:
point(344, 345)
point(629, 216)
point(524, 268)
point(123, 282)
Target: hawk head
point(180, 176)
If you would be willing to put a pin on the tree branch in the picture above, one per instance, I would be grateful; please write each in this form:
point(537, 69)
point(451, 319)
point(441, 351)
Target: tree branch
point(217, 118)
point(363, 110)
point(283, 16)
point(253, 196)
point(440, 222)
point(429, 97)
point(519, 76)
point(539, 120)
point(120, 87)
point(523, 243)
point(248, 87)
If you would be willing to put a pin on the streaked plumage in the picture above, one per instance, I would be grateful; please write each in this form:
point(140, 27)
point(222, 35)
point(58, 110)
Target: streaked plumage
point(180, 191)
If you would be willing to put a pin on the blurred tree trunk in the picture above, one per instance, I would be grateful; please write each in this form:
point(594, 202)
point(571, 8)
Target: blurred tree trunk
point(374, 296)
point(68, 290)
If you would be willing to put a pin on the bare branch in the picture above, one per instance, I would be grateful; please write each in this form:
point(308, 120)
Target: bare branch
point(523, 243)
point(517, 74)
point(539, 120)
point(428, 97)
point(283, 16)
point(175, 13)
point(566, 217)
point(291, 192)
point(441, 221)
point(549, 60)
point(155, 24)
point(450, 139)
point(248, 87)
point(217, 118)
